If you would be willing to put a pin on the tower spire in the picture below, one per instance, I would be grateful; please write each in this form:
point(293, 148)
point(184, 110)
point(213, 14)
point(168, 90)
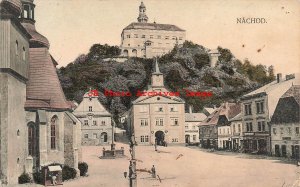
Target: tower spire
point(143, 18)
point(156, 71)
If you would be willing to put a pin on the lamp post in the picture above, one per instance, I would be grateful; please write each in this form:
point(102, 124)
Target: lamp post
point(132, 165)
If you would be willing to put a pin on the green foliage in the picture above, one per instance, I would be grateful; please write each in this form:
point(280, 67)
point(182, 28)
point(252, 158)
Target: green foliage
point(24, 178)
point(201, 60)
point(211, 80)
point(68, 173)
point(38, 177)
point(225, 55)
point(83, 168)
point(98, 51)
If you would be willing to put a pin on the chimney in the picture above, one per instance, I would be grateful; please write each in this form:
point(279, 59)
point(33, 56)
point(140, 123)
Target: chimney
point(279, 77)
point(190, 109)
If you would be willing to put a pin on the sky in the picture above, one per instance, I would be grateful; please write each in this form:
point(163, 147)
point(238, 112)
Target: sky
point(73, 26)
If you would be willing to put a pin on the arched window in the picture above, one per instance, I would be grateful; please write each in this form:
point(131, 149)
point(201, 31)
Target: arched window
point(134, 52)
point(31, 139)
point(17, 47)
point(53, 132)
point(125, 52)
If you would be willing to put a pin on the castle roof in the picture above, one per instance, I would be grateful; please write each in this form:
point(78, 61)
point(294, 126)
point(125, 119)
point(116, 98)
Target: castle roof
point(43, 88)
point(152, 26)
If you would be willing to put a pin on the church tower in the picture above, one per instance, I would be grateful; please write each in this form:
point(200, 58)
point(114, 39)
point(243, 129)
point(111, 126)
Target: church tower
point(143, 18)
point(157, 79)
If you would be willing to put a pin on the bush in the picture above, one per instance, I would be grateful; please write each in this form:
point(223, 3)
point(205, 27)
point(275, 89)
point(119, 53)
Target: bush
point(38, 177)
point(24, 178)
point(83, 168)
point(68, 173)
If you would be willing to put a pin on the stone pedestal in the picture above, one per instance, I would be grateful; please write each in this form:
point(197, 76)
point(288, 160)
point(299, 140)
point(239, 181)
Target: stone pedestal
point(29, 164)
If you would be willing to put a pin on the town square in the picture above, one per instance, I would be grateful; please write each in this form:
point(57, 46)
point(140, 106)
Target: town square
point(140, 93)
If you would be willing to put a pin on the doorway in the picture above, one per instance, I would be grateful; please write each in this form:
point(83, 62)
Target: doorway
point(160, 138)
point(187, 138)
point(103, 137)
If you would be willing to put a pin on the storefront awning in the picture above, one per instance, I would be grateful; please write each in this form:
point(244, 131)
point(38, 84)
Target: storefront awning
point(54, 168)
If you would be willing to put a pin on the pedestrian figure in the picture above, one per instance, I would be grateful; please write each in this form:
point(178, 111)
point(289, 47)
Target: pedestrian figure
point(153, 172)
point(54, 182)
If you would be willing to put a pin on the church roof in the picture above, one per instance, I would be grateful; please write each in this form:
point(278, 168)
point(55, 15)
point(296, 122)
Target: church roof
point(37, 38)
point(156, 69)
point(153, 26)
point(43, 88)
point(142, 5)
point(14, 5)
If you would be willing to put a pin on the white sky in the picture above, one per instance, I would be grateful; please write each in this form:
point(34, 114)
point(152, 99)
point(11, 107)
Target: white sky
point(72, 26)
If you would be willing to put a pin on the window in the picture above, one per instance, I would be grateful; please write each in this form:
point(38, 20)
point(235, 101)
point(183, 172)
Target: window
point(281, 130)
point(160, 109)
point(174, 38)
point(94, 123)
point(151, 36)
point(194, 137)
point(95, 136)
point(174, 139)
point(249, 127)
point(26, 11)
point(159, 121)
point(143, 36)
point(24, 54)
point(239, 127)
point(31, 139)
point(53, 133)
point(17, 47)
point(90, 108)
point(248, 109)
point(142, 138)
point(233, 128)
point(86, 122)
point(274, 131)
point(186, 127)
point(174, 121)
point(86, 135)
point(136, 36)
point(220, 131)
point(128, 36)
point(167, 37)
point(297, 130)
point(289, 130)
point(260, 107)
point(146, 138)
point(103, 123)
point(144, 122)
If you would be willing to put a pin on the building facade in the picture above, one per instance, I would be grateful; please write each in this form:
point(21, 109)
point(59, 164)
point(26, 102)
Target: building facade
point(37, 127)
point(96, 122)
point(236, 126)
point(191, 129)
point(257, 108)
point(285, 125)
point(147, 40)
point(155, 117)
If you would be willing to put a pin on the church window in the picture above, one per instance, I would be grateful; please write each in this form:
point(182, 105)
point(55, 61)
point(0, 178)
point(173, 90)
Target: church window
point(86, 122)
point(136, 35)
point(90, 108)
point(53, 133)
point(24, 54)
point(17, 47)
point(143, 36)
point(31, 139)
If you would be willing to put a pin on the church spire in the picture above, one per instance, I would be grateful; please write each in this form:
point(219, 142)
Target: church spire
point(156, 70)
point(157, 79)
point(143, 18)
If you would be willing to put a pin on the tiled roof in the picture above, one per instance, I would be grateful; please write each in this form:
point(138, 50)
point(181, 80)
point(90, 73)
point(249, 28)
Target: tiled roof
point(237, 117)
point(153, 26)
point(194, 117)
point(36, 37)
point(228, 110)
point(43, 87)
point(209, 110)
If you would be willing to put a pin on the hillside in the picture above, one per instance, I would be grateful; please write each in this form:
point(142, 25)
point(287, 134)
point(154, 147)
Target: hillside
point(185, 67)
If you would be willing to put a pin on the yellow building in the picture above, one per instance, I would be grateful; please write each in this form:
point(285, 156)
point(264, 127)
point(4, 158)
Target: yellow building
point(155, 117)
point(147, 40)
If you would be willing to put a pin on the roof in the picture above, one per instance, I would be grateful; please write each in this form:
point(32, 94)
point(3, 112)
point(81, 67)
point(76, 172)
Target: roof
point(288, 107)
point(226, 110)
point(14, 5)
point(36, 37)
point(209, 110)
point(238, 117)
point(43, 87)
point(274, 90)
point(194, 117)
point(156, 69)
point(153, 26)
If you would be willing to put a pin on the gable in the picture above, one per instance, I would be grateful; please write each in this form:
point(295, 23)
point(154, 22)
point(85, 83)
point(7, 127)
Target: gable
point(159, 99)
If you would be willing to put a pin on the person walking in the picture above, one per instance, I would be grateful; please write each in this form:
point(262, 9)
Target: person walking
point(153, 172)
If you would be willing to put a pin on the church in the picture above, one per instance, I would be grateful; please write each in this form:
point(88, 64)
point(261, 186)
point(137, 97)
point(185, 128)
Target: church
point(157, 119)
point(37, 127)
point(147, 40)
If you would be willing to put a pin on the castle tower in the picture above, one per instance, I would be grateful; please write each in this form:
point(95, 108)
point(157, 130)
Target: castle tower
point(157, 79)
point(143, 18)
point(213, 56)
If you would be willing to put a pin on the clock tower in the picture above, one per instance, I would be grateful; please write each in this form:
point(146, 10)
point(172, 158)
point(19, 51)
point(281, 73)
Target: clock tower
point(157, 79)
